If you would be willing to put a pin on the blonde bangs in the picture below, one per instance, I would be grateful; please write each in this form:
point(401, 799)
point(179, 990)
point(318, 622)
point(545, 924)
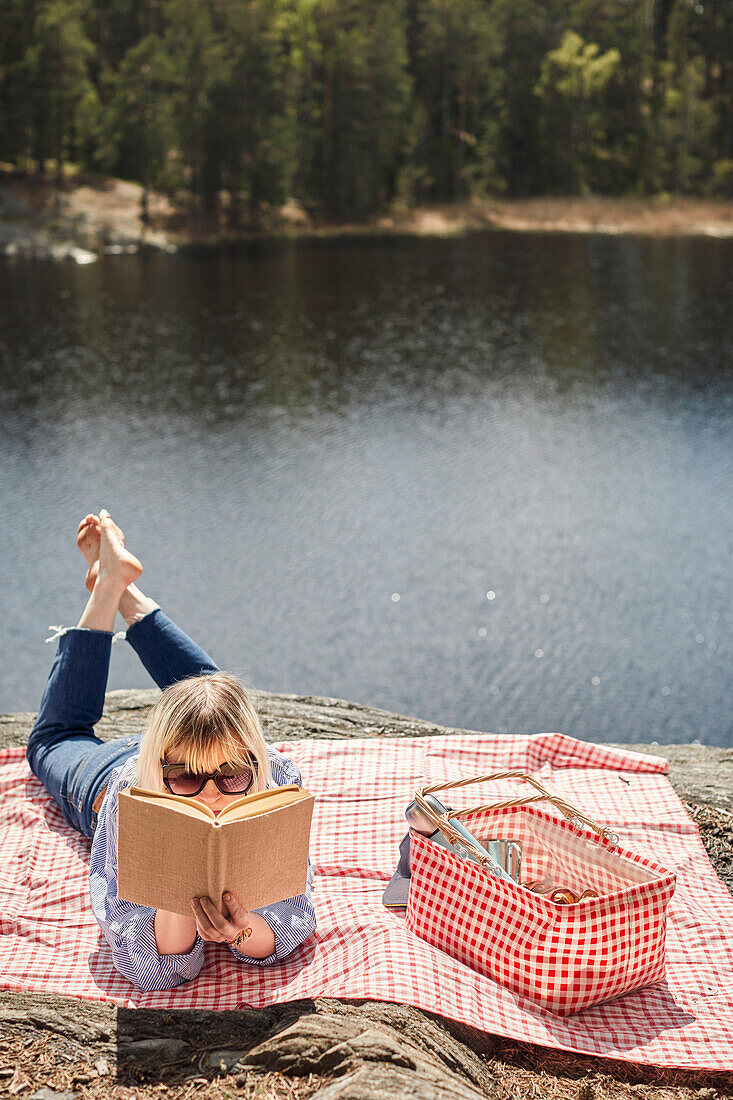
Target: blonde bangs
point(199, 754)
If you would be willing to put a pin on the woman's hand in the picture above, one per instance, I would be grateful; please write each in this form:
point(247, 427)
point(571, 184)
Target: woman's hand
point(218, 926)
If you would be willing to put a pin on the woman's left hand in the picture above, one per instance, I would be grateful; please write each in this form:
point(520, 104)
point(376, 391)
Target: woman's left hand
point(216, 926)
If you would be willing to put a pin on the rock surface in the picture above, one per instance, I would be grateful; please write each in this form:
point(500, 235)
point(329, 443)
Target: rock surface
point(92, 215)
point(328, 1049)
point(699, 773)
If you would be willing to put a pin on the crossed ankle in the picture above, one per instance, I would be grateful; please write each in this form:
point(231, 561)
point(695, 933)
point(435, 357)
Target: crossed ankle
point(140, 613)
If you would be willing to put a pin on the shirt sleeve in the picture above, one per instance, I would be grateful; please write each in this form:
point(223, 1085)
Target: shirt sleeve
point(294, 919)
point(129, 929)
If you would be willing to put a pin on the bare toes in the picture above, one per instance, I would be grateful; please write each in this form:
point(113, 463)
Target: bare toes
point(111, 525)
point(86, 523)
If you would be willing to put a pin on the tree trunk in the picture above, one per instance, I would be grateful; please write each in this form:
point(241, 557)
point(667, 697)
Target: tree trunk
point(59, 111)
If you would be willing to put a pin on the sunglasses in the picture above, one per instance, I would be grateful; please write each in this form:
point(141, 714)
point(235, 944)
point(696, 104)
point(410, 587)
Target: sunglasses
point(229, 779)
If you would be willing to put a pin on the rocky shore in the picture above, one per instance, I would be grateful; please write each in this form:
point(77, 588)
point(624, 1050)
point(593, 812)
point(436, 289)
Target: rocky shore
point(92, 216)
point(56, 1048)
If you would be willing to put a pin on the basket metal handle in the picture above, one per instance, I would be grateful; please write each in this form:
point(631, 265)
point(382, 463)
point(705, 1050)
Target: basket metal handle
point(443, 821)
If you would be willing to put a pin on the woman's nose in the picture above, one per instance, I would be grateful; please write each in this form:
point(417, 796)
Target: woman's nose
point(210, 792)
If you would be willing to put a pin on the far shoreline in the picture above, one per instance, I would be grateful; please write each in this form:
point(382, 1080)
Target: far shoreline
point(648, 217)
point(94, 216)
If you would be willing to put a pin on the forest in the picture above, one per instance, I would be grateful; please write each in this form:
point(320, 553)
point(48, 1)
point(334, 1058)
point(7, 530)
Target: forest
point(350, 106)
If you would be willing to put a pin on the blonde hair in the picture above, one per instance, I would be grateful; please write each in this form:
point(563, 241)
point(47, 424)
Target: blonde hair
point(195, 717)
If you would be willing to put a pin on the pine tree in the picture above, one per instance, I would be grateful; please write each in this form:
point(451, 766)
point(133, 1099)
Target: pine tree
point(140, 137)
point(197, 53)
point(54, 72)
point(458, 84)
point(361, 90)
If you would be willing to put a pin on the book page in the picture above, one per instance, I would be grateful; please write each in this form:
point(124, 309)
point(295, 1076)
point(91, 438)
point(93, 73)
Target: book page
point(262, 802)
point(174, 801)
point(264, 858)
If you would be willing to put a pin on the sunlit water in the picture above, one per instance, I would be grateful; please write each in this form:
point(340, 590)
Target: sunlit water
point(482, 481)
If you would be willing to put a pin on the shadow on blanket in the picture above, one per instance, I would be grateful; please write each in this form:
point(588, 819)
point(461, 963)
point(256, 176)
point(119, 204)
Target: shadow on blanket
point(38, 804)
point(219, 964)
point(649, 1012)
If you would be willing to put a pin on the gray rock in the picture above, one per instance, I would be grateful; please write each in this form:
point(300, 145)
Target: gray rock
point(68, 250)
point(328, 1045)
point(49, 1094)
point(372, 1059)
point(699, 773)
point(225, 1060)
point(366, 1050)
point(375, 1082)
point(76, 1026)
point(377, 1045)
point(304, 1047)
point(12, 1016)
point(11, 205)
point(164, 1050)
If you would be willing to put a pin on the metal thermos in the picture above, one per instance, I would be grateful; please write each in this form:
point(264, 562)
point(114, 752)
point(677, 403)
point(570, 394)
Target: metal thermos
point(417, 820)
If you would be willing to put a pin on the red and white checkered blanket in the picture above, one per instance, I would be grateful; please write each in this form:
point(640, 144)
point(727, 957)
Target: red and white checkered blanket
point(50, 941)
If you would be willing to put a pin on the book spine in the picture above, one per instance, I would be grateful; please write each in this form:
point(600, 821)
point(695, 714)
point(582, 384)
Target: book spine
point(215, 869)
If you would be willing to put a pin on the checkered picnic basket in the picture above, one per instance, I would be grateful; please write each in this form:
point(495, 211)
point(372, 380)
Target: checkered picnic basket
point(563, 957)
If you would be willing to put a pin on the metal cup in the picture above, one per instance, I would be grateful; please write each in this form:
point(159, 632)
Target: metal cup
point(508, 854)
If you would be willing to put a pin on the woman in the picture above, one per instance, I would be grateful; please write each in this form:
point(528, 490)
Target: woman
point(203, 740)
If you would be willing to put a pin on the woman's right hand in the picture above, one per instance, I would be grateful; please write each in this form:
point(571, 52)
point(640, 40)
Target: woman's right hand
point(174, 934)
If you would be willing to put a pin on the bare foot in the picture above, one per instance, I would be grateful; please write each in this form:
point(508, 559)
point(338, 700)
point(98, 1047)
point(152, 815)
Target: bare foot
point(87, 539)
point(116, 564)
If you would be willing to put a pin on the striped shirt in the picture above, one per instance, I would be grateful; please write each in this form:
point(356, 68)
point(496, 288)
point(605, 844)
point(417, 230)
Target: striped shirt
point(129, 929)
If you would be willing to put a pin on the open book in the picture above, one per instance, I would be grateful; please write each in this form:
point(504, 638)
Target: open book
point(171, 849)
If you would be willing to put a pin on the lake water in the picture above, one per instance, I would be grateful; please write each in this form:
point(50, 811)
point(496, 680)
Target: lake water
point(484, 481)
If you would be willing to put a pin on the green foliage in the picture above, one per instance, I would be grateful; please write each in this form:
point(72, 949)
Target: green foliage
point(197, 51)
point(253, 134)
point(350, 105)
point(358, 110)
point(522, 35)
point(138, 133)
point(48, 79)
point(686, 123)
point(573, 86)
point(457, 80)
point(722, 182)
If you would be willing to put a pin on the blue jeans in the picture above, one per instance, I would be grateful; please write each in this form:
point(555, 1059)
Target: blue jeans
point(63, 752)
